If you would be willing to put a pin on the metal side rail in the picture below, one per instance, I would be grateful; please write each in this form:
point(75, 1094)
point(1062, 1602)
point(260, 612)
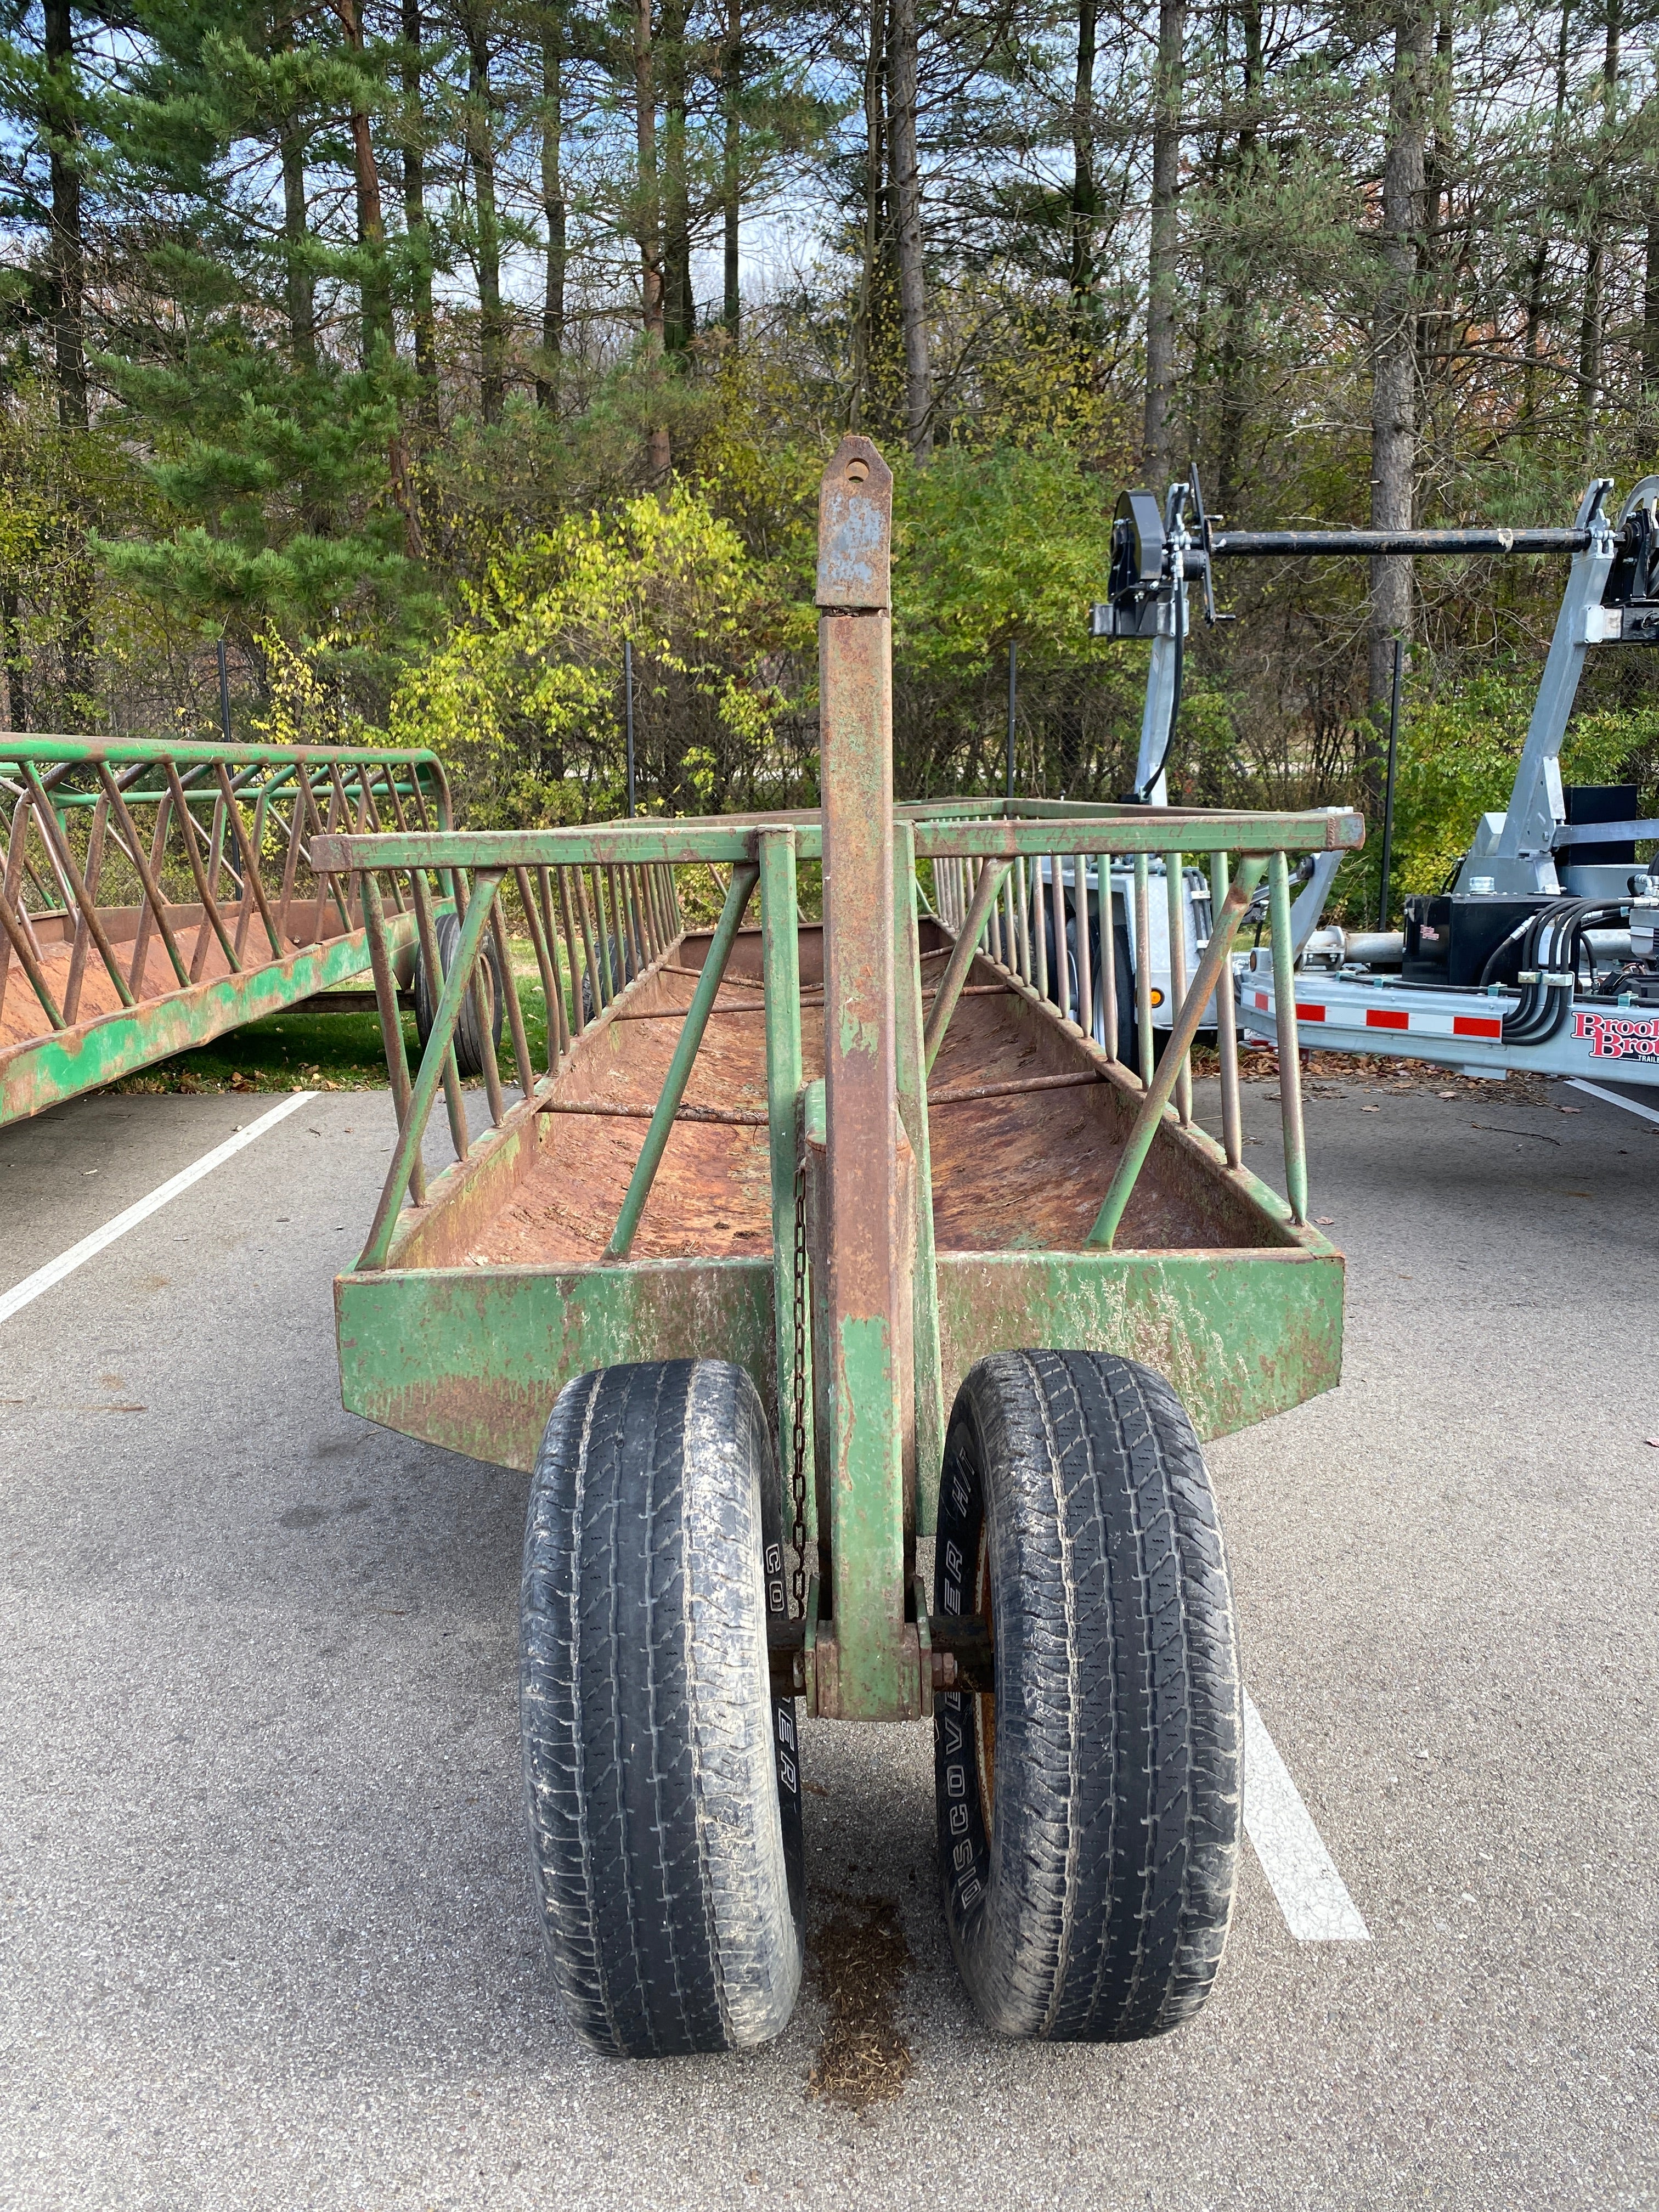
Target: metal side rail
point(156, 893)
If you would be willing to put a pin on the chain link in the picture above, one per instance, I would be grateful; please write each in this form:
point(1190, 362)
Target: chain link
point(798, 1472)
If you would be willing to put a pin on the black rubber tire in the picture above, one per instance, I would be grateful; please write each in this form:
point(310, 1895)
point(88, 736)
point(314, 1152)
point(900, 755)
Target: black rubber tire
point(1088, 1900)
point(661, 1775)
point(468, 1034)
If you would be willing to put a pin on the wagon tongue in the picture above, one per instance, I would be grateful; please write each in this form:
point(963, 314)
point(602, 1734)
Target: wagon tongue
point(871, 1668)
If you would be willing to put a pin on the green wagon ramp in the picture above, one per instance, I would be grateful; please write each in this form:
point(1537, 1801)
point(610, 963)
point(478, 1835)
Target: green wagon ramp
point(155, 894)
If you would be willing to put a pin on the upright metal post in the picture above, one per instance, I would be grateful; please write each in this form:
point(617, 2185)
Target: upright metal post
point(224, 694)
point(627, 695)
point(1013, 700)
point(867, 1305)
point(1388, 786)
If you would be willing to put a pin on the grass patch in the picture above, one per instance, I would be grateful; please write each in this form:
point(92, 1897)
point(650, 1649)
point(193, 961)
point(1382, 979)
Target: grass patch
point(299, 1050)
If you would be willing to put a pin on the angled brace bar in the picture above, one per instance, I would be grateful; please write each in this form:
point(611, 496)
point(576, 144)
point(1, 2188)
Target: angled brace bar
point(1184, 1030)
point(434, 1060)
point(990, 882)
point(744, 879)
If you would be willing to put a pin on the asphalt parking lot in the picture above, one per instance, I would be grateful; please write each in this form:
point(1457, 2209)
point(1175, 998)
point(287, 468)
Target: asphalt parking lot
point(267, 1936)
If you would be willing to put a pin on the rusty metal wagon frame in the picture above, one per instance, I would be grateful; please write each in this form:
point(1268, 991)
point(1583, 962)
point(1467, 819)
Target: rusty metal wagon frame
point(156, 893)
point(862, 1300)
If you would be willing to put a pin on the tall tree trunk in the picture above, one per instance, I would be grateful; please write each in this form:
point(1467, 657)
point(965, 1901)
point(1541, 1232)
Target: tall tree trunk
point(907, 199)
point(492, 327)
point(732, 162)
point(62, 123)
point(1591, 329)
point(415, 220)
point(1538, 269)
point(658, 456)
point(1394, 353)
point(553, 205)
point(679, 314)
point(1235, 348)
point(1165, 245)
point(1434, 265)
point(861, 408)
point(375, 296)
point(300, 284)
point(1084, 204)
point(1650, 320)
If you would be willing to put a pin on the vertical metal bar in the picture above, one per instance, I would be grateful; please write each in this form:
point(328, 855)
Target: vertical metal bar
point(637, 907)
point(991, 877)
point(391, 1027)
point(573, 955)
point(1175, 885)
point(1039, 931)
point(1143, 968)
point(1057, 908)
point(1186, 1019)
point(744, 879)
point(1290, 1055)
point(557, 1010)
point(439, 1054)
point(1388, 786)
point(1085, 982)
point(1226, 1031)
point(595, 976)
point(514, 1011)
point(606, 935)
point(1023, 916)
point(781, 968)
point(484, 1014)
point(549, 987)
point(625, 955)
point(1108, 905)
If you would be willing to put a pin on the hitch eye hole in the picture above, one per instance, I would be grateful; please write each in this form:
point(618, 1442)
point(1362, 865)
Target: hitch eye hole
point(857, 471)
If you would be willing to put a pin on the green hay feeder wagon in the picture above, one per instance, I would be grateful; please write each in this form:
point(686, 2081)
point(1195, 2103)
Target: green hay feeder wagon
point(780, 1197)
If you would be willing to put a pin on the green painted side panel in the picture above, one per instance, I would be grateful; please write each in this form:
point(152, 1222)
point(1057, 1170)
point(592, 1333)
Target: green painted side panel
point(45, 1071)
point(1240, 1335)
point(473, 1358)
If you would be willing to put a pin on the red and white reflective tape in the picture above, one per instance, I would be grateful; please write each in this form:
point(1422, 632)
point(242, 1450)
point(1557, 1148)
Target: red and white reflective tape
point(1417, 1021)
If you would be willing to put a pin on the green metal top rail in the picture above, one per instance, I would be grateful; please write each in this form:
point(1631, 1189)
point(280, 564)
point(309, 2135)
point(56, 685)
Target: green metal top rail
point(948, 835)
point(18, 744)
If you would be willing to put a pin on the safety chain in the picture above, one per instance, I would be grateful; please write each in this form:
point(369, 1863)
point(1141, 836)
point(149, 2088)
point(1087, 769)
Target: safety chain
point(798, 1472)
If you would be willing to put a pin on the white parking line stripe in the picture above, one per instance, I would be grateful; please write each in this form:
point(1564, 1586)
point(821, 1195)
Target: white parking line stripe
point(1316, 1907)
point(66, 1263)
point(1612, 1098)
